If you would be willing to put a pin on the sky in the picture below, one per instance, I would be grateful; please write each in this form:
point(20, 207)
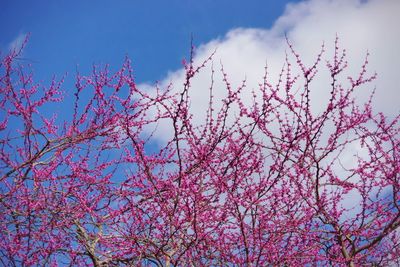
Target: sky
point(155, 34)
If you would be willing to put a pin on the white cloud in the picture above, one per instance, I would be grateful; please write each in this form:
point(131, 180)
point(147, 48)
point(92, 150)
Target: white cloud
point(360, 25)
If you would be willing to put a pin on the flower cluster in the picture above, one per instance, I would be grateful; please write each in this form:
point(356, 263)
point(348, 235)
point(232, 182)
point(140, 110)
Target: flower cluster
point(265, 186)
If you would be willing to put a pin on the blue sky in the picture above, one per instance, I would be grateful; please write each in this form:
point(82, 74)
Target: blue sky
point(156, 37)
point(155, 34)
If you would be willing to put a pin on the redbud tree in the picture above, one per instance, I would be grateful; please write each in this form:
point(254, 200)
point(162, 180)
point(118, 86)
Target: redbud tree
point(258, 183)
